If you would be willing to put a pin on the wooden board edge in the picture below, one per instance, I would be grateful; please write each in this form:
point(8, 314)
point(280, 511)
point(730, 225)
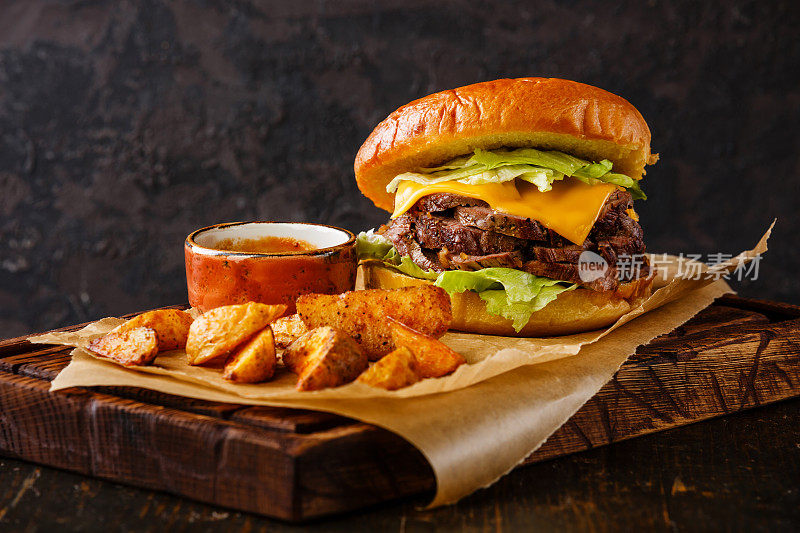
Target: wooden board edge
point(125, 441)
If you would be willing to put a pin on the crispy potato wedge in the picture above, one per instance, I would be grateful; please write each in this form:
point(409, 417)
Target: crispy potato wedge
point(324, 357)
point(254, 361)
point(288, 329)
point(219, 331)
point(171, 327)
point(396, 370)
point(434, 359)
point(362, 314)
point(134, 347)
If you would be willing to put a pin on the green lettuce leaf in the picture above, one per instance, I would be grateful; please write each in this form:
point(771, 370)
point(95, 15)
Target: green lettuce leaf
point(629, 183)
point(370, 245)
point(594, 171)
point(509, 293)
point(479, 175)
point(558, 161)
point(617, 179)
point(539, 167)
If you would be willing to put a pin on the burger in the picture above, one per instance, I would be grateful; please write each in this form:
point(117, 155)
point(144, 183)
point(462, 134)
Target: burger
point(516, 197)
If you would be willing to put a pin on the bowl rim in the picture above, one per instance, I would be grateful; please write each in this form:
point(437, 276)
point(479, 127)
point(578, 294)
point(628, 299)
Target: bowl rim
point(191, 244)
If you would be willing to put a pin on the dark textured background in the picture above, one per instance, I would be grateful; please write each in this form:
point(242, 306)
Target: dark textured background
point(126, 125)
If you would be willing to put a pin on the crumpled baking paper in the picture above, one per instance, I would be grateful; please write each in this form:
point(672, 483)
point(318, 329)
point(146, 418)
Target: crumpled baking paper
point(472, 426)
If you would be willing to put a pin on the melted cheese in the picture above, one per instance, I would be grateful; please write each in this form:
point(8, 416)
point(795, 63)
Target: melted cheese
point(570, 208)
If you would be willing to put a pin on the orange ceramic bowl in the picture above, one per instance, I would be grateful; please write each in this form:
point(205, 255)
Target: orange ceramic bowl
point(217, 277)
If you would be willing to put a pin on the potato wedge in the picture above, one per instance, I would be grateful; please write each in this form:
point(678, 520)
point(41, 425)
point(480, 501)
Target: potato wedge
point(134, 347)
point(219, 331)
point(396, 370)
point(254, 361)
point(171, 327)
point(324, 357)
point(362, 314)
point(434, 359)
point(288, 329)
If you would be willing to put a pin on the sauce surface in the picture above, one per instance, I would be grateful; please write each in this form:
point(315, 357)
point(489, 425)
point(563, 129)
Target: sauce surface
point(265, 245)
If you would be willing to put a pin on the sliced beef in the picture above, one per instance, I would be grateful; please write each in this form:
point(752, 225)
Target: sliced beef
point(438, 232)
point(401, 232)
point(446, 231)
point(618, 200)
point(424, 258)
point(443, 201)
point(609, 282)
point(560, 271)
point(566, 254)
point(488, 219)
point(624, 244)
point(613, 214)
point(569, 272)
point(620, 232)
point(476, 262)
point(398, 229)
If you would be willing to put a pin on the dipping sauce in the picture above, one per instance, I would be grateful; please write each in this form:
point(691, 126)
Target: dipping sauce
point(265, 245)
point(267, 262)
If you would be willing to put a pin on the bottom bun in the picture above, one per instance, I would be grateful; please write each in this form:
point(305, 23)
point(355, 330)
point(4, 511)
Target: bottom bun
point(572, 312)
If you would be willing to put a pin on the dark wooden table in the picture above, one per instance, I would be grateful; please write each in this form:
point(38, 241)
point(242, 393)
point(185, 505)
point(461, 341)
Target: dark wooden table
point(740, 472)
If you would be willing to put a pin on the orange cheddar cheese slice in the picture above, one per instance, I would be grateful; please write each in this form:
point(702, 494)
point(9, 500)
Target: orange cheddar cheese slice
point(570, 208)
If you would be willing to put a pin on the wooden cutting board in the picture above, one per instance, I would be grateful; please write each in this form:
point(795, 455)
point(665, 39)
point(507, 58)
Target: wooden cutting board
point(297, 465)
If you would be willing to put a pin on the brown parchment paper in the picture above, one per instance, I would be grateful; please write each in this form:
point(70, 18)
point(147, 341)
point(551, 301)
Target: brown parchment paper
point(497, 409)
